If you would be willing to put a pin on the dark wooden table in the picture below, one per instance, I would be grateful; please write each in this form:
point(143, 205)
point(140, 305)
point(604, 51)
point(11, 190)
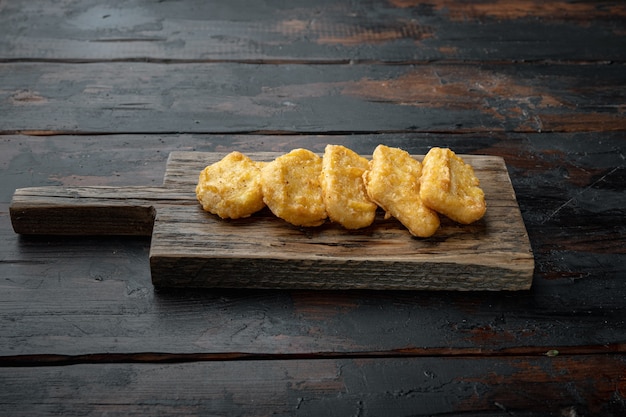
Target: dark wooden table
point(100, 92)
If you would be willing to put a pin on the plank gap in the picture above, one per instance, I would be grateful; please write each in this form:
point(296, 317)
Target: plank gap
point(39, 360)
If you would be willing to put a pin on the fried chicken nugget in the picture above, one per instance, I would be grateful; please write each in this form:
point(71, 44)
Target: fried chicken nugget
point(449, 186)
point(393, 182)
point(231, 187)
point(292, 190)
point(345, 196)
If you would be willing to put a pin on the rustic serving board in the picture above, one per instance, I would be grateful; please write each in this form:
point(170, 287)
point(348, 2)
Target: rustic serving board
point(192, 248)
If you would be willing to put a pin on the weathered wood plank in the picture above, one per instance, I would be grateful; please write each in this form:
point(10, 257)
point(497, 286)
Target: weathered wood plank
point(94, 295)
point(176, 98)
point(88, 295)
point(193, 249)
point(102, 210)
point(528, 386)
point(324, 31)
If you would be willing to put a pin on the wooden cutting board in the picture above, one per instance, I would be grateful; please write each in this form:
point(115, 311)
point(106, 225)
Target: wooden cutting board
point(192, 248)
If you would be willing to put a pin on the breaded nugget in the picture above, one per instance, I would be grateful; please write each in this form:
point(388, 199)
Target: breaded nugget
point(393, 182)
point(292, 190)
point(345, 197)
point(231, 187)
point(449, 186)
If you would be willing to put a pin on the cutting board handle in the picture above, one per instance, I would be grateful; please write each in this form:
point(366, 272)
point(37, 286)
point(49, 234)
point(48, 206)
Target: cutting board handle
point(127, 211)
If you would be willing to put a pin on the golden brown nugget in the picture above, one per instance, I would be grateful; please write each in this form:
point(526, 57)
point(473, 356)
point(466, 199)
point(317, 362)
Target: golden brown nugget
point(292, 190)
point(231, 187)
point(393, 182)
point(450, 187)
point(345, 197)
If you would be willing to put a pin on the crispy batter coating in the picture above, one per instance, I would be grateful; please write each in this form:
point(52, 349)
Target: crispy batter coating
point(345, 197)
point(231, 187)
point(304, 189)
point(292, 190)
point(449, 186)
point(393, 182)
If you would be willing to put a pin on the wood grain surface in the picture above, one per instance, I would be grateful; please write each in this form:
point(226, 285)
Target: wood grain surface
point(149, 98)
point(128, 211)
point(334, 387)
point(99, 93)
point(336, 31)
point(191, 248)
